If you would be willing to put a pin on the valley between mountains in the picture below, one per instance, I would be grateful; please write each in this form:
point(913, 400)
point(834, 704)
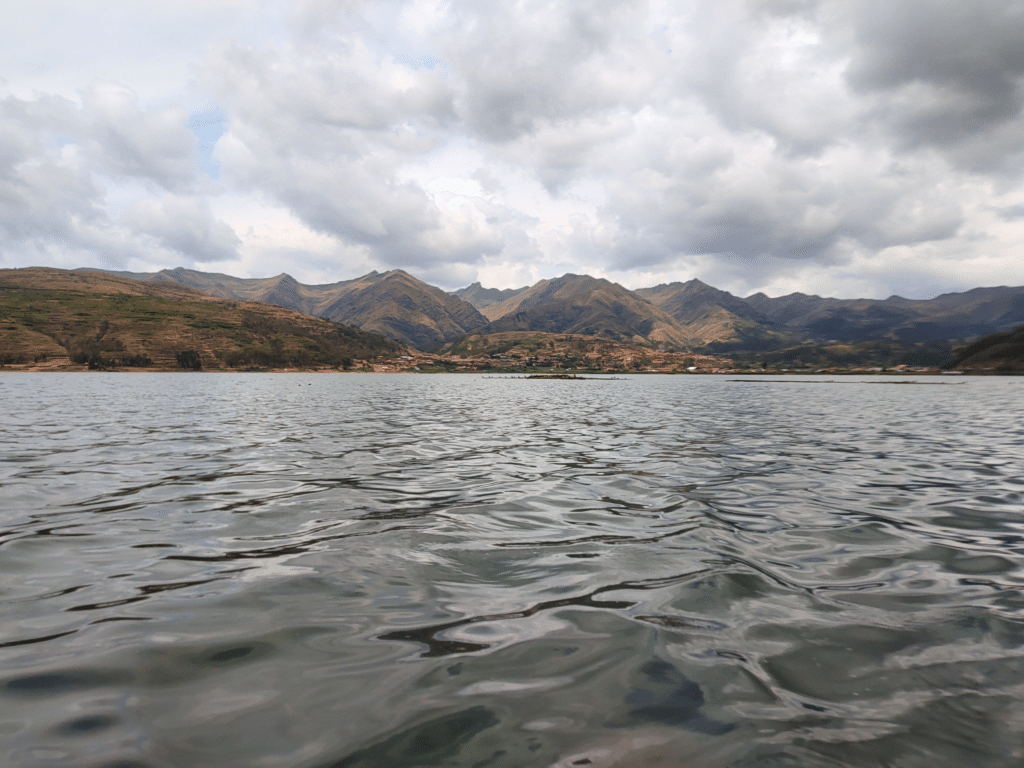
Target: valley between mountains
point(61, 319)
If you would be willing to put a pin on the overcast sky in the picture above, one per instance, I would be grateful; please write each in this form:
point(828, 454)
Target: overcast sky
point(840, 147)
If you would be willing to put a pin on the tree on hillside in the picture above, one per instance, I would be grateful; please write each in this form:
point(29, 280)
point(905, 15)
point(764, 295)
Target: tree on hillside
point(189, 360)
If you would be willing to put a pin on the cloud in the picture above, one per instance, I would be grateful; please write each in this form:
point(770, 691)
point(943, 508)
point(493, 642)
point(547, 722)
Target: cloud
point(325, 132)
point(46, 191)
point(153, 146)
point(766, 141)
point(521, 65)
point(185, 226)
point(62, 162)
point(948, 75)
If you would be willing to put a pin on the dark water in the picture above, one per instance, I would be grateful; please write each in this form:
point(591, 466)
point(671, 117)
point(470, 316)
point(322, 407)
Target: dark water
point(351, 571)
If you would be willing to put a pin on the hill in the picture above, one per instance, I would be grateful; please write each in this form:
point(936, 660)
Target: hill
point(714, 318)
point(580, 304)
point(1001, 352)
point(109, 321)
point(393, 304)
point(399, 306)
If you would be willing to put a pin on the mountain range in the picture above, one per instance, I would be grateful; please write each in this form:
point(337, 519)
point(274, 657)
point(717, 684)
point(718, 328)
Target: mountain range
point(393, 304)
point(683, 315)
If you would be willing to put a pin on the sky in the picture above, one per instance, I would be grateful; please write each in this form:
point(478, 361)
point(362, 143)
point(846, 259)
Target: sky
point(849, 148)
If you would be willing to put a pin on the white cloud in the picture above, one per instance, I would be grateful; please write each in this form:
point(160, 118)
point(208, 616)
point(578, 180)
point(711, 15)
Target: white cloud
point(762, 144)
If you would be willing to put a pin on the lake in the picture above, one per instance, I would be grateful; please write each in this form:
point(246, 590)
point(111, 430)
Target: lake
point(353, 570)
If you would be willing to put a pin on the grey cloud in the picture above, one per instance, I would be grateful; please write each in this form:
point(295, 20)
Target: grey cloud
point(760, 204)
point(519, 65)
point(349, 193)
point(54, 154)
point(560, 153)
point(784, 7)
point(337, 83)
point(56, 160)
point(801, 130)
point(184, 225)
point(945, 72)
point(1010, 213)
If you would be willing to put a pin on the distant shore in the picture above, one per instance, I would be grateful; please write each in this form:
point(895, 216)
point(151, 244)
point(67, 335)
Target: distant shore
point(516, 374)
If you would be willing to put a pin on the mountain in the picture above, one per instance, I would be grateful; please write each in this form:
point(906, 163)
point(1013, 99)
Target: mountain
point(691, 314)
point(691, 301)
point(720, 321)
point(394, 304)
point(1001, 352)
point(714, 318)
point(580, 304)
point(399, 306)
point(951, 316)
point(110, 321)
point(481, 297)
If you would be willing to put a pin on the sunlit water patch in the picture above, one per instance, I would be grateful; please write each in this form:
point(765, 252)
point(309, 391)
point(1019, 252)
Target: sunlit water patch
point(351, 571)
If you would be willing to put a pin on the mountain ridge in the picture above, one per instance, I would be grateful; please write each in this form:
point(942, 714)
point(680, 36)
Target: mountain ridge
point(689, 314)
point(393, 304)
point(585, 305)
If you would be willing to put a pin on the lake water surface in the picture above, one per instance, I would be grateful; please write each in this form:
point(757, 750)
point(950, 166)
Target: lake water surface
point(352, 571)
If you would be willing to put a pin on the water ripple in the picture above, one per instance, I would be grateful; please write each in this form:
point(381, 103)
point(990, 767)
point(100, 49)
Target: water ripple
point(232, 570)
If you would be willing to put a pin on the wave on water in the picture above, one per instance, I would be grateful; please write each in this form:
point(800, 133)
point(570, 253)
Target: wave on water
point(352, 571)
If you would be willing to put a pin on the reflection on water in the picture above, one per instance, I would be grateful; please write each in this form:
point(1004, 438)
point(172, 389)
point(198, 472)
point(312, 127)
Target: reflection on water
point(352, 571)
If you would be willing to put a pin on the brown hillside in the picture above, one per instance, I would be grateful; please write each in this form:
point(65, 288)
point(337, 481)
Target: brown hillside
point(998, 352)
point(111, 322)
point(589, 306)
point(481, 297)
point(397, 305)
point(46, 278)
point(394, 304)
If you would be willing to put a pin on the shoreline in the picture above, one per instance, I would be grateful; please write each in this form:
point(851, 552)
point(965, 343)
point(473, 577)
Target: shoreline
point(811, 376)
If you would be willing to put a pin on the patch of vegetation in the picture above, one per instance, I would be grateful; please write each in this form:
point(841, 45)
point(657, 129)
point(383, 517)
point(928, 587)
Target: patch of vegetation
point(190, 360)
